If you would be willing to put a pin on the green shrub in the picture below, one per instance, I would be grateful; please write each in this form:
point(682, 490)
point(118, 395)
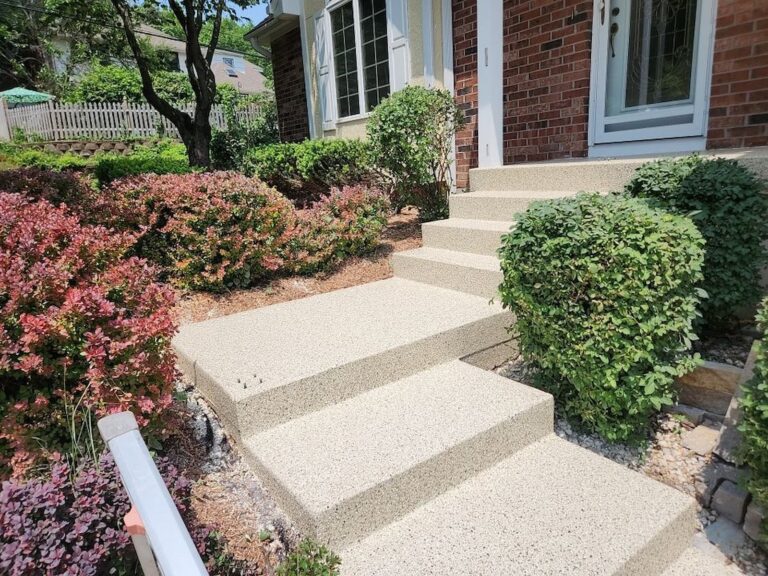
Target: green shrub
point(411, 135)
point(731, 212)
point(604, 290)
point(31, 158)
point(754, 426)
point(161, 158)
point(310, 559)
point(228, 147)
point(305, 172)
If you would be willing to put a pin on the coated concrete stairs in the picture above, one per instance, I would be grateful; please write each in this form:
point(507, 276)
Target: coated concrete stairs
point(357, 412)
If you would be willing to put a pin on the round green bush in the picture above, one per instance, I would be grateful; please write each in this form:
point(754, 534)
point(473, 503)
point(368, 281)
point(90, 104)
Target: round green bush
point(728, 206)
point(411, 135)
point(604, 290)
point(754, 406)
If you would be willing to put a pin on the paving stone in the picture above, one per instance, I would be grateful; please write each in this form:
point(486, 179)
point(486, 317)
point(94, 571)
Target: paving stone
point(716, 472)
point(710, 386)
point(754, 520)
point(730, 501)
point(730, 435)
point(726, 535)
point(702, 439)
point(692, 414)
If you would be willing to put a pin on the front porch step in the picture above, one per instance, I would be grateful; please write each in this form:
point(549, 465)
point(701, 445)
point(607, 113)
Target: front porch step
point(694, 562)
point(498, 205)
point(265, 366)
point(551, 508)
point(461, 271)
point(463, 235)
point(347, 470)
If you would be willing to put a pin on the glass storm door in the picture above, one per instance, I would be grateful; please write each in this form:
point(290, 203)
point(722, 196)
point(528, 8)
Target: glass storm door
point(652, 69)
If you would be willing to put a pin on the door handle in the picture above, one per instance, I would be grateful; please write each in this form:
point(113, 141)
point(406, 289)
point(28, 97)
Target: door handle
point(614, 31)
point(602, 12)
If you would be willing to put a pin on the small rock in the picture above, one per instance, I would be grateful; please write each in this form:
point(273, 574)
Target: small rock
point(754, 520)
point(691, 413)
point(701, 439)
point(730, 501)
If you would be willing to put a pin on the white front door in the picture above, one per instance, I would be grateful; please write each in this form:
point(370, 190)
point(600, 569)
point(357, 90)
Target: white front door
point(651, 68)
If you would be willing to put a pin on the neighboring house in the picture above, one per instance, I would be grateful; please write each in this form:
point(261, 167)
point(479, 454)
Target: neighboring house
point(537, 79)
point(229, 67)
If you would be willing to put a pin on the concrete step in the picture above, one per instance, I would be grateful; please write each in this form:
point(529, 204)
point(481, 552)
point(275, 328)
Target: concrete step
point(694, 562)
point(552, 508)
point(349, 469)
point(498, 205)
point(473, 236)
point(265, 366)
point(461, 271)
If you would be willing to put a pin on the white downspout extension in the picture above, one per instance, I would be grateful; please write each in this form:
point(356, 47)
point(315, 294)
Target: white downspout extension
point(490, 56)
point(428, 45)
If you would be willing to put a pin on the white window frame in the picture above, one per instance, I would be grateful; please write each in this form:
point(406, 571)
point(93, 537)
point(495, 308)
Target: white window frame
point(330, 7)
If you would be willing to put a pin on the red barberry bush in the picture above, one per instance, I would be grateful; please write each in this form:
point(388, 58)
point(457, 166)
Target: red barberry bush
point(84, 331)
point(72, 523)
point(58, 188)
point(208, 231)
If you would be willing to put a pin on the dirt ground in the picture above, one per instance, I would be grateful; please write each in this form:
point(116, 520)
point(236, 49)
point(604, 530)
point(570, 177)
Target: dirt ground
point(403, 232)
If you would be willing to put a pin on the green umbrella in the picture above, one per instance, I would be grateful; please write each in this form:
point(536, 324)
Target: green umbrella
point(16, 96)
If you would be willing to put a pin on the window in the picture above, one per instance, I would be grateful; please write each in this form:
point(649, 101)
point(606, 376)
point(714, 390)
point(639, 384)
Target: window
point(228, 61)
point(359, 28)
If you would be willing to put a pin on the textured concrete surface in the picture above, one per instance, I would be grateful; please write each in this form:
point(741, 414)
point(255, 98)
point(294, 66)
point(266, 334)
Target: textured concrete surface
point(349, 469)
point(695, 562)
point(552, 508)
point(710, 386)
point(473, 236)
point(591, 174)
point(499, 205)
point(265, 366)
point(469, 273)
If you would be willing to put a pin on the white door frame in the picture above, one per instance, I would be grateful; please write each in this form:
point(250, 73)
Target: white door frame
point(647, 140)
point(490, 82)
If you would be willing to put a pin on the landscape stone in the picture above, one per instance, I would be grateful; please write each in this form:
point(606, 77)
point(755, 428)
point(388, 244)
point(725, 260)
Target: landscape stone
point(692, 414)
point(753, 520)
point(701, 439)
point(726, 535)
point(730, 435)
point(710, 386)
point(731, 501)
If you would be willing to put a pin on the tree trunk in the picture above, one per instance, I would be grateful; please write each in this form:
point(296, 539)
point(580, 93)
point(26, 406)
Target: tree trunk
point(198, 147)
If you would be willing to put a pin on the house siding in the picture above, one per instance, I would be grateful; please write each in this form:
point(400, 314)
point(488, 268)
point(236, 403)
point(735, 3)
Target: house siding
point(465, 85)
point(290, 92)
point(738, 113)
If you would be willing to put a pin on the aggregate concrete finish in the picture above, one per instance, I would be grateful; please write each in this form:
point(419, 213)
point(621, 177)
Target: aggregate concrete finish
point(552, 508)
point(469, 273)
point(694, 562)
point(265, 366)
point(498, 205)
point(349, 469)
point(472, 236)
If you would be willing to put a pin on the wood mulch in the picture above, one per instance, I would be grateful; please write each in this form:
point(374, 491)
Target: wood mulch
point(403, 232)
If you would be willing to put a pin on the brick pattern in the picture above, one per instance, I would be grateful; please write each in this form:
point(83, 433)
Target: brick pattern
point(738, 113)
point(547, 59)
point(465, 80)
point(290, 92)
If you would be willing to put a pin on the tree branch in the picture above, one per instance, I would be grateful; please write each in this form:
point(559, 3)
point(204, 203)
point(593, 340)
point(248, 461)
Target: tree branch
point(215, 33)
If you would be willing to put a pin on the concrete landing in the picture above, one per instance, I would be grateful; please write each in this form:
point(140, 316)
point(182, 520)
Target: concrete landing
point(349, 469)
point(552, 508)
point(470, 273)
point(265, 366)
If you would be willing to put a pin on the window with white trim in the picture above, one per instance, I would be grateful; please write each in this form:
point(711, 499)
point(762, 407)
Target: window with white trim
point(361, 55)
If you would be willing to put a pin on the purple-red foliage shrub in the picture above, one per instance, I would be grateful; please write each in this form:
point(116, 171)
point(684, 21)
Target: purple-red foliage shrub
point(208, 231)
point(72, 523)
point(78, 323)
point(347, 222)
point(58, 188)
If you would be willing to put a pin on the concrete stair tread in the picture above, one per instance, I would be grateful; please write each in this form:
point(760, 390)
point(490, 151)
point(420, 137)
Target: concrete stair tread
point(552, 508)
point(452, 257)
point(694, 562)
point(353, 462)
point(522, 194)
point(471, 224)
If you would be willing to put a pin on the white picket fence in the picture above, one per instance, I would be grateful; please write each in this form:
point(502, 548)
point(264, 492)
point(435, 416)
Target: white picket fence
point(104, 121)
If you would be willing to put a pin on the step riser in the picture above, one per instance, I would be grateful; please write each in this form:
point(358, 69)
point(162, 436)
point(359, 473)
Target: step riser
point(260, 412)
point(487, 208)
point(596, 177)
point(473, 241)
point(475, 281)
point(369, 511)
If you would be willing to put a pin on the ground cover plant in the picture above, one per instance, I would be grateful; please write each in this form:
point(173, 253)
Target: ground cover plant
point(727, 204)
point(307, 171)
point(754, 405)
point(164, 157)
point(411, 138)
point(84, 332)
point(605, 294)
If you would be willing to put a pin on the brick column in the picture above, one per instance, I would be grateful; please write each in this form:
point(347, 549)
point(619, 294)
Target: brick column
point(465, 81)
point(290, 92)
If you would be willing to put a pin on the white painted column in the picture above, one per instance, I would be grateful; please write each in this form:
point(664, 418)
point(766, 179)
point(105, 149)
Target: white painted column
point(490, 36)
point(447, 12)
point(427, 42)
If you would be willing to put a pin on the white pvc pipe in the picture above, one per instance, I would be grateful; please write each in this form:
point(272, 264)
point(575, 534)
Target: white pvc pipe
point(171, 543)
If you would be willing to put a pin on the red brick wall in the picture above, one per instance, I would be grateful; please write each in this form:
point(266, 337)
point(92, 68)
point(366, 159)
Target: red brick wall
point(738, 113)
point(546, 79)
point(290, 93)
point(465, 79)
